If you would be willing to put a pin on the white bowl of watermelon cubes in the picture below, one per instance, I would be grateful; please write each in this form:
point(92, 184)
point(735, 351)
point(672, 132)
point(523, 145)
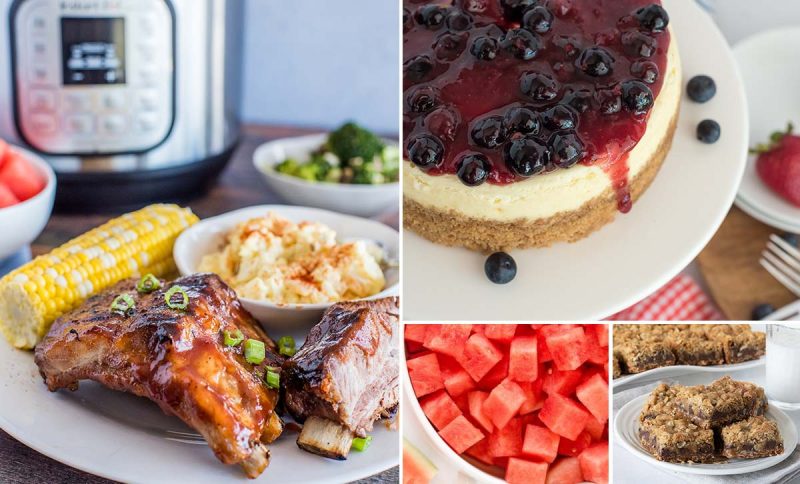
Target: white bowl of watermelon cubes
point(521, 403)
point(27, 192)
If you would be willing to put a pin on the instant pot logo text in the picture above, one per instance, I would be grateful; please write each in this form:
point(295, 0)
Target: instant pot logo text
point(89, 5)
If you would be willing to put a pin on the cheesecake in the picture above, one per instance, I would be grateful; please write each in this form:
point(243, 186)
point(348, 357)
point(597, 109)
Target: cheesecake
point(531, 122)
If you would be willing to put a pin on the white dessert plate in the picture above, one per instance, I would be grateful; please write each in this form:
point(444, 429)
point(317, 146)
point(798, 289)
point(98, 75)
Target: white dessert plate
point(675, 370)
point(767, 64)
point(626, 428)
point(129, 439)
point(628, 259)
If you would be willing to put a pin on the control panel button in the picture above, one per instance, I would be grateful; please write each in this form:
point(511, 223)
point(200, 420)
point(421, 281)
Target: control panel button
point(43, 123)
point(113, 124)
point(114, 100)
point(41, 74)
point(80, 124)
point(38, 48)
point(78, 101)
point(148, 100)
point(146, 123)
point(38, 23)
point(147, 76)
point(42, 100)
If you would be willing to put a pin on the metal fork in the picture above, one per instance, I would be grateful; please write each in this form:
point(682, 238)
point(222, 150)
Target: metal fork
point(782, 260)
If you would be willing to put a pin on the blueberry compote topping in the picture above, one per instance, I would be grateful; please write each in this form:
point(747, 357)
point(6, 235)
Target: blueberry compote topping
point(499, 91)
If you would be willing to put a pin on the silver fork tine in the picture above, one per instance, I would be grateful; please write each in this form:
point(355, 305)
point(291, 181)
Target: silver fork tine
point(777, 274)
point(785, 257)
point(786, 246)
point(780, 259)
point(778, 262)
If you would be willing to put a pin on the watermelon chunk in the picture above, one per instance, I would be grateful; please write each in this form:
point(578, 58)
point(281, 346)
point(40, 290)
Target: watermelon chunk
point(415, 332)
point(595, 428)
point(504, 402)
point(425, 374)
point(542, 349)
point(7, 197)
point(594, 463)
point(534, 398)
point(574, 447)
point(456, 380)
point(561, 382)
point(497, 374)
point(593, 394)
point(507, 441)
point(540, 443)
point(19, 176)
point(460, 434)
point(601, 333)
point(440, 409)
point(500, 332)
point(478, 356)
point(448, 339)
point(523, 360)
point(476, 400)
point(521, 471)
point(417, 469)
point(480, 451)
point(563, 416)
point(565, 471)
point(567, 348)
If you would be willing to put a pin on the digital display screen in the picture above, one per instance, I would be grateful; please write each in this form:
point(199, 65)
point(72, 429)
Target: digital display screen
point(93, 50)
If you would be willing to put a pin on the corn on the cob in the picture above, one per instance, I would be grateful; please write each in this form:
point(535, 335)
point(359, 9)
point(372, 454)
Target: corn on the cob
point(34, 295)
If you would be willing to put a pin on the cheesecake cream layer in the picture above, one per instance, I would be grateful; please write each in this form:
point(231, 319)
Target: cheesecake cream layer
point(559, 191)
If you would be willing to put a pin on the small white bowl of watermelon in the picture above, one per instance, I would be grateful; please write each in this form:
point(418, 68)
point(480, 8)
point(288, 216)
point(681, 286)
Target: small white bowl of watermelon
point(27, 192)
point(520, 403)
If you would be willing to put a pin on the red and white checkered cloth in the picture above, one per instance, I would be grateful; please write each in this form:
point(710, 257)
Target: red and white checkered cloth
point(681, 299)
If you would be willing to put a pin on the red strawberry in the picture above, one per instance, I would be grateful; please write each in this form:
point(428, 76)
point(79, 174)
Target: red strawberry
point(778, 165)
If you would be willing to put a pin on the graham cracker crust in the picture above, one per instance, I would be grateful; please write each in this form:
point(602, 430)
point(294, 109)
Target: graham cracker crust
point(454, 229)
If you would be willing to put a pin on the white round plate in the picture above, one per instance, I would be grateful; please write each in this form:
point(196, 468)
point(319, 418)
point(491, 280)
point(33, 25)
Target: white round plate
point(129, 439)
point(636, 254)
point(767, 62)
point(626, 429)
point(675, 370)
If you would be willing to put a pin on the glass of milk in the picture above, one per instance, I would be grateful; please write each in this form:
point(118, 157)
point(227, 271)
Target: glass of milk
point(783, 365)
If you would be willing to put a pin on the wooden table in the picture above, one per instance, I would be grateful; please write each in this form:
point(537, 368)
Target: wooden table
point(240, 186)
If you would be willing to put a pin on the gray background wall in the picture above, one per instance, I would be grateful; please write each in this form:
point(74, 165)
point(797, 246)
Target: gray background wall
point(317, 63)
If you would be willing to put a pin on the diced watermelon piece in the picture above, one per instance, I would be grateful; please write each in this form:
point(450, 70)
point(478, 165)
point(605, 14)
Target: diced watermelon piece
point(535, 326)
point(417, 469)
point(448, 339)
point(595, 428)
point(507, 441)
point(563, 416)
point(594, 463)
point(540, 443)
point(574, 447)
point(594, 352)
point(478, 356)
point(460, 434)
point(561, 382)
point(601, 332)
point(479, 328)
point(534, 397)
point(593, 394)
point(567, 348)
point(542, 349)
point(415, 333)
point(19, 176)
point(497, 374)
point(521, 471)
point(476, 400)
point(425, 374)
point(456, 380)
point(7, 197)
point(566, 471)
point(500, 332)
point(440, 409)
point(480, 451)
point(504, 402)
point(523, 361)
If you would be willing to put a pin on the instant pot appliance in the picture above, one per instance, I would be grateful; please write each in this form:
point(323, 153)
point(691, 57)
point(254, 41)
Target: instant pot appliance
point(129, 100)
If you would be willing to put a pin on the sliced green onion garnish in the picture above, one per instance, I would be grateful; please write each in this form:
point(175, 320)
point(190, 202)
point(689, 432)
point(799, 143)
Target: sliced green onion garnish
point(254, 351)
point(148, 283)
point(123, 305)
point(361, 444)
point(181, 303)
point(233, 338)
point(273, 379)
point(286, 346)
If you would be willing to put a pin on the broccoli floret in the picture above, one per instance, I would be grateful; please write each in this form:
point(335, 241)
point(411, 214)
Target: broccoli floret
point(288, 166)
point(352, 141)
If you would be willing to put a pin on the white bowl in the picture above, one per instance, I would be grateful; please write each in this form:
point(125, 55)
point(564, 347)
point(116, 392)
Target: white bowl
point(20, 224)
point(360, 200)
point(208, 236)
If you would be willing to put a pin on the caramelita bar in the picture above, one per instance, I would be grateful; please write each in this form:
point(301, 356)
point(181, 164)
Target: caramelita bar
point(674, 439)
point(690, 349)
point(639, 357)
point(751, 438)
point(721, 403)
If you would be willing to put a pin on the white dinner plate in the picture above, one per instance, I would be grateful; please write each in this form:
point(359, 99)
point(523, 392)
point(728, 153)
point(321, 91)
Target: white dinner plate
point(126, 438)
point(770, 74)
point(675, 370)
point(628, 259)
point(626, 428)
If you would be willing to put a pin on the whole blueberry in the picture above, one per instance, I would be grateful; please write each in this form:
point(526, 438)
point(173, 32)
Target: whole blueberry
point(762, 311)
point(417, 68)
point(526, 156)
point(538, 86)
point(708, 131)
point(566, 149)
point(431, 16)
point(538, 19)
point(488, 132)
point(500, 268)
point(580, 100)
point(792, 239)
point(647, 71)
point(522, 120)
point(484, 48)
point(637, 97)
point(560, 117)
point(422, 99)
point(473, 169)
point(459, 20)
point(425, 151)
point(450, 45)
point(595, 62)
point(638, 44)
point(514, 9)
point(653, 18)
point(701, 88)
point(521, 43)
